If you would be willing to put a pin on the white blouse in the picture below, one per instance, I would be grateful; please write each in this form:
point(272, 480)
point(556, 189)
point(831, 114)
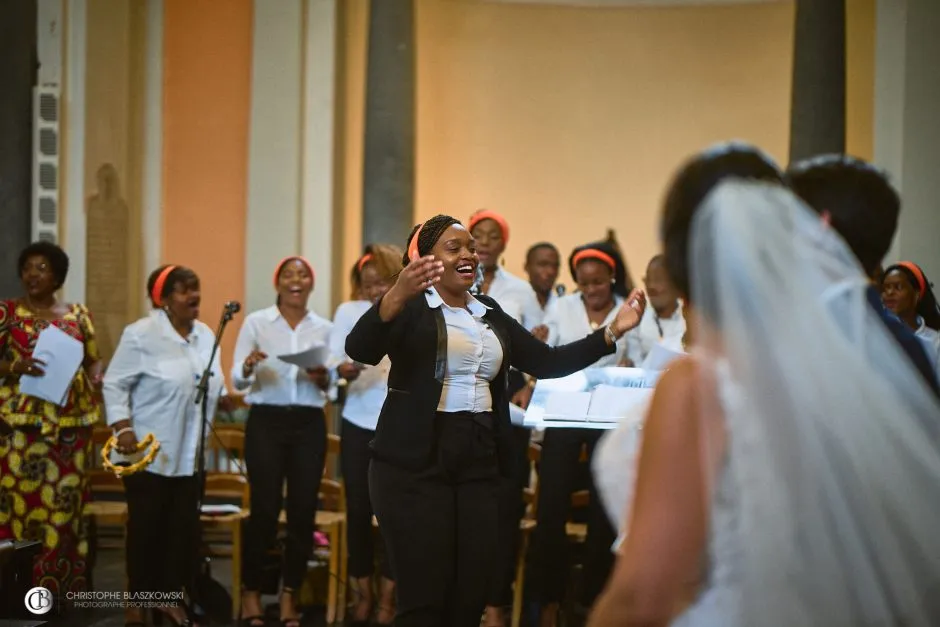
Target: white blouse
point(653, 330)
point(567, 321)
point(931, 341)
point(474, 356)
point(366, 395)
point(276, 382)
point(517, 298)
point(152, 381)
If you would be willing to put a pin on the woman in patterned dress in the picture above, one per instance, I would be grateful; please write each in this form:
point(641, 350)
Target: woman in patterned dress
point(45, 448)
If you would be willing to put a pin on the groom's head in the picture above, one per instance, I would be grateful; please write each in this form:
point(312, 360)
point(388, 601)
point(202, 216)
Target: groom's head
point(855, 198)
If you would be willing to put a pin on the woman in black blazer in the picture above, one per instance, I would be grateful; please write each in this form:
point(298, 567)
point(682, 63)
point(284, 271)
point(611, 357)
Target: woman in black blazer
point(444, 435)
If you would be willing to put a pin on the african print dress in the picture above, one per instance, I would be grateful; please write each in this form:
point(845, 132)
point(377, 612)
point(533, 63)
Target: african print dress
point(43, 488)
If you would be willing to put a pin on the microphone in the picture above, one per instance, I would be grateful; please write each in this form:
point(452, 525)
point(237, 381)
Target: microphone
point(233, 306)
point(560, 290)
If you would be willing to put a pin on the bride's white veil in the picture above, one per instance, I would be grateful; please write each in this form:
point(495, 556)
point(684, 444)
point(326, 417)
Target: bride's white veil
point(832, 435)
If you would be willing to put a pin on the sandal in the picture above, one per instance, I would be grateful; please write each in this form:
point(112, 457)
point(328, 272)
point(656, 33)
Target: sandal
point(255, 620)
point(293, 621)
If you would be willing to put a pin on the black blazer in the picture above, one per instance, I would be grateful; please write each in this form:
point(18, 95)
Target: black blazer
point(416, 343)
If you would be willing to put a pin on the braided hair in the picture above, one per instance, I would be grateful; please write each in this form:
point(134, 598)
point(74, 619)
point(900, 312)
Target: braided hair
point(622, 284)
point(431, 231)
point(927, 307)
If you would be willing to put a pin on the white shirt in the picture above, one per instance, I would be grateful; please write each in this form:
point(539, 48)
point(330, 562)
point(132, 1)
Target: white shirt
point(516, 297)
point(567, 322)
point(931, 341)
point(366, 395)
point(642, 339)
point(552, 298)
point(276, 382)
point(474, 356)
point(152, 381)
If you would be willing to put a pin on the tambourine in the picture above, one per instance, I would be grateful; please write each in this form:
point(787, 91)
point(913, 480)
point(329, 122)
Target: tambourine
point(121, 471)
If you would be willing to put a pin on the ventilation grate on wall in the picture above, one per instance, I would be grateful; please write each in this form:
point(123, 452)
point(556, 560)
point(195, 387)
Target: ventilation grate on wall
point(48, 142)
point(45, 205)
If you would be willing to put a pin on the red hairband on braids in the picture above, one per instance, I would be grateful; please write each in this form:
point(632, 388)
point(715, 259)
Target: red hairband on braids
point(156, 294)
point(486, 214)
point(918, 275)
point(366, 258)
point(280, 265)
point(593, 253)
point(413, 253)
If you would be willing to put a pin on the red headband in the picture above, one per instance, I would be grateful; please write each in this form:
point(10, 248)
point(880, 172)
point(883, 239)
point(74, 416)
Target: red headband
point(413, 253)
point(366, 258)
point(486, 214)
point(157, 291)
point(277, 268)
point(593, 253)
point(918, 274)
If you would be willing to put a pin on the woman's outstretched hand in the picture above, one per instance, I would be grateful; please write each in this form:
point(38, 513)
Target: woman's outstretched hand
point(630, 313)
point(415, 278)
point(419, 275)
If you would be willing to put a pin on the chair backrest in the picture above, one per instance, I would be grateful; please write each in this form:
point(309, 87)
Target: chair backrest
point(103, 482)
point(530, 494)
point(227, 446)
point(228, 487)
point(100, 434)
point(332, 493)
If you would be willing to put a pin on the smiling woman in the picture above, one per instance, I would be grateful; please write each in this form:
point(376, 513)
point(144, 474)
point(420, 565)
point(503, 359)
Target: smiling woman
point(285, 435)
point(443, 438)
point(43, 458)
point(149, 389)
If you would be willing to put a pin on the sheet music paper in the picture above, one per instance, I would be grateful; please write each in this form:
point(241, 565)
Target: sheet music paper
point(660, 356)
point(63, 356)
point(567, 406)
point(313, 357)
point(613, 404)
point(567, 402)
point(516, 415)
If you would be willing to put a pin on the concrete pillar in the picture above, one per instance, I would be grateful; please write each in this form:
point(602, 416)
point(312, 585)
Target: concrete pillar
point(817, 116)
point(389, 156)
point(17, 79)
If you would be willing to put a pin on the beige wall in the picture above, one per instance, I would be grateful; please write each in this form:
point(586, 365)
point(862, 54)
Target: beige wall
point(114, 80)
point(570, 120)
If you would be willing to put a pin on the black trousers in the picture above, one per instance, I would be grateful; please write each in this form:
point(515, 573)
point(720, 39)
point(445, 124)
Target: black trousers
point(282, 444)
point(162, 531)
point(440, 524)
point(360, 536)
point(549, 554)
point(511, 508)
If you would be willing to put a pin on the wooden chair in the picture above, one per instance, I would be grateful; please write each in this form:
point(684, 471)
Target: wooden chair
point(331, 520)
point(577, 532)
point(229, 488)
point(226, 444)
point(107, 508)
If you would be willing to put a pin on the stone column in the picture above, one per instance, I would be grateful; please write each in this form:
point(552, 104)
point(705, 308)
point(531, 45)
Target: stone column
point(17, 79)
point(389, 153)
point(817, 115)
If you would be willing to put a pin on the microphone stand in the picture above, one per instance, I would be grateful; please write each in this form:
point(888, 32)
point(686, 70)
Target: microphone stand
point(202, 399)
